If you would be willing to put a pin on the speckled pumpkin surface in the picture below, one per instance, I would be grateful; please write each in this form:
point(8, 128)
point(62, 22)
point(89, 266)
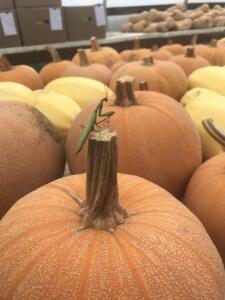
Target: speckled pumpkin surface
point(161, 252)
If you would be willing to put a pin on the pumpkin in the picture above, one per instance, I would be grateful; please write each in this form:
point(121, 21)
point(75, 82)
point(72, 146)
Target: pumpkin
point(12, 90)
point(215, 55)
point(100, 55)
point(202, 109)
point(50, 248)
point(200, 94)
point(86, 69)
point(81, 90)
point(175, 49)
point(156, 135)
point(190, 62)
point(205, 197)
point(59, 109)
point(162, 76)
point(20, 74)
point(137, 51)
point(211, 77)
point(161, 54)
point(221, 42)
point(32, 153)
point(121, 63)
point(55, 68)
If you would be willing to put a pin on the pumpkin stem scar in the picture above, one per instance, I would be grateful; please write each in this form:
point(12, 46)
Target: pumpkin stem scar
point(101, 209)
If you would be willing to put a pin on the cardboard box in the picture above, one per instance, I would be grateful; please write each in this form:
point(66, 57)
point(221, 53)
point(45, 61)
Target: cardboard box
point(6, 4)
point(83, 22)
point(9, 32)
point(36, 3)
point(44, 25)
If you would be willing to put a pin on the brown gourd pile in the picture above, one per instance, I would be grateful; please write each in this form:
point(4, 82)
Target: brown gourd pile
point(176, 18)
point(139, 211)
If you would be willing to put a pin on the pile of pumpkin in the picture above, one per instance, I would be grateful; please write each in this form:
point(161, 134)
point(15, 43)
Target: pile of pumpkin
point(170, 115)
point(176, 18)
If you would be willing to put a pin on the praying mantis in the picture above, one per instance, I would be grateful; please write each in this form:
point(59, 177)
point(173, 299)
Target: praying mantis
point(92, 122)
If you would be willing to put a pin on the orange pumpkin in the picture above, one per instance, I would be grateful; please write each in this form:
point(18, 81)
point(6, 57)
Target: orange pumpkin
point(157, 138)
point(121, 63)
point(20, 74)
point(162, 76)
point(94, 71)
point(149, 246)
point(175, 49)
point(213, 54)
point(190, 62)
point(137, 51)
point(205, 196)
point(54, 69)
point(161, 54)
point(100, 55)
point(32, 152)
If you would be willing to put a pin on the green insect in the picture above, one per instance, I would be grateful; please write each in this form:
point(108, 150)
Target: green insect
point(92, 122)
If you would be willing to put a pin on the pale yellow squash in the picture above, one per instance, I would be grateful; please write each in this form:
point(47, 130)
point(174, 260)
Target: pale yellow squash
point(199, 94)
point(13, 91)
point(59, 109)
point(211, 77)
point(81, 90)
point(202, 109)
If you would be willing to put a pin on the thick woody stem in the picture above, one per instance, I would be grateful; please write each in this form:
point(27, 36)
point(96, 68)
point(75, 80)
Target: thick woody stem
point(148, 61)
point(124, 92)
point(131, 57)
point(101, 209)
point(83, 58)
point(214, 131)
point(194, 40)
point(190, 52)
point(136, 43)
point(143, 85)
point(213, 43)
point(4, 63)
point(94, 44)
point(54, 54)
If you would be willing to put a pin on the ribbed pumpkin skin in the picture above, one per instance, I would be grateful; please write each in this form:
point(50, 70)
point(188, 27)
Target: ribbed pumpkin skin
point(162, 252)
point(105, 55)
point(175, 49)
point(163, 76)
point(94, 71)
point(190, 64)
point(157, 141)
point(54, 70)
point(205, 196)
point(32, 153)
point(161, 54)
point(24, 75)
point(214, 55)
point(139, 53)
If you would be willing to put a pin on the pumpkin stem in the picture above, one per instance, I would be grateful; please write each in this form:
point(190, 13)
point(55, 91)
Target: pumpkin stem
point(213, 43)
point(101, 208)
point(5, 64)
point(169, 42)
point(131, 57)
point(94, 44)
point(190, 52)
point(148, 61)
point(83, 58)
point(155, 48)
point(136, 43)
point(124, 92)
point(214, 131)
point(143, 85)
point(194, 40)
point(54, 53)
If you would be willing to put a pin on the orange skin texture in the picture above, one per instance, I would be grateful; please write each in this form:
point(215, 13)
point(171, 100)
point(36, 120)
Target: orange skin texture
point(117, 65)
point(214, 55)
point(161, 54)
point(31, 155)
point(94, 71)
point(24, 75)
point(190, 64)
point(139, 54)
point(163, 76)
point(105, 55)
point(54, 70)
point(157, 140)
point(205, 196)
point(221, 42)
point(161, 252)
point(175, 49)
